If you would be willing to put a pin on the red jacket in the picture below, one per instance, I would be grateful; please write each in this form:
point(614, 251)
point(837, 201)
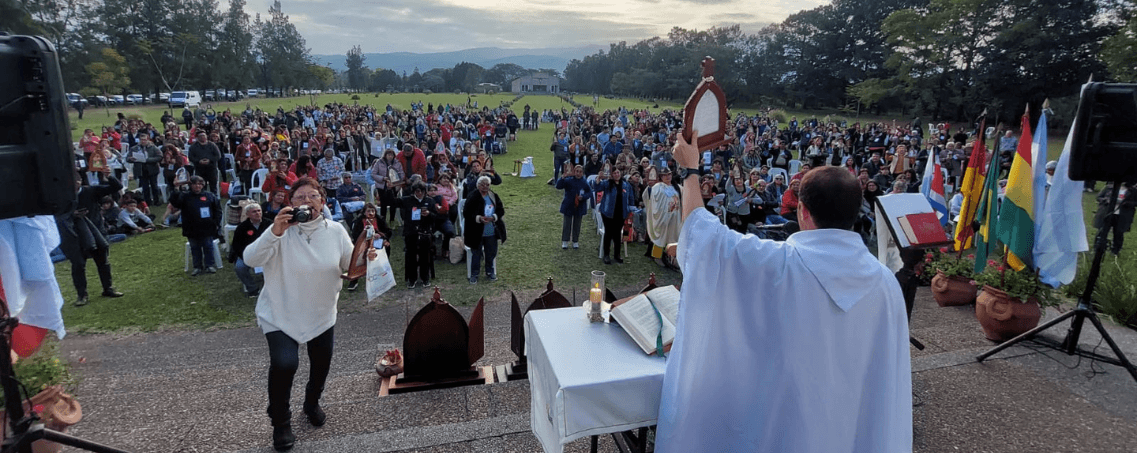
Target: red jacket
point(417, 165)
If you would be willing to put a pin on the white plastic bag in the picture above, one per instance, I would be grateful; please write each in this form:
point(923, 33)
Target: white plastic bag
point(380, 278)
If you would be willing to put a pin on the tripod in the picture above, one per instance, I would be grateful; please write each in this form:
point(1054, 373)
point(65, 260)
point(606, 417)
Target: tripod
point(1084, 309)
point(26, 428)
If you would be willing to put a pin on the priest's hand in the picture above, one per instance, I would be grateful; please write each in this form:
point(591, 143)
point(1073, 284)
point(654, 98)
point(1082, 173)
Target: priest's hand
point(686, 154)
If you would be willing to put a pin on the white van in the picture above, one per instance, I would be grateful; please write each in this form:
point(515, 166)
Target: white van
point(185, 99)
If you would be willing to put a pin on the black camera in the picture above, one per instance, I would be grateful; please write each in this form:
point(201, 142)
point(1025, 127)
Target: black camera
point(301, 214)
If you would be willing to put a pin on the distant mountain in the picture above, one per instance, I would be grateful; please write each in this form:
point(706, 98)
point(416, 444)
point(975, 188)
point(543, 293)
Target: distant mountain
point(555, 58)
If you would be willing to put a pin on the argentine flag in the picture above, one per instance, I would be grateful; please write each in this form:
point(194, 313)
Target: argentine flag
point(933, 187)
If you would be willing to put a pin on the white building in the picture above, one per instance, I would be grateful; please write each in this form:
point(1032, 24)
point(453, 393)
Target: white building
point(537, 82)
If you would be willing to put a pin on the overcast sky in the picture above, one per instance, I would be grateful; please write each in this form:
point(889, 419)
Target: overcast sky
point(333, 26)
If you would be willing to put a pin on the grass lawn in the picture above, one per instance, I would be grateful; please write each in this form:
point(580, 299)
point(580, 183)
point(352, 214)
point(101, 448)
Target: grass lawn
point(160, 295)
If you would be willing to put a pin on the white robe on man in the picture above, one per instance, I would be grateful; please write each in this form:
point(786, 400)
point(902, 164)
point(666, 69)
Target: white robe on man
point(795, 346)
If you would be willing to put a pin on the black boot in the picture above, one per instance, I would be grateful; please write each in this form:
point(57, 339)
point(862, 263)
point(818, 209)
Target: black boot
point(282, 437)
point(316, 416)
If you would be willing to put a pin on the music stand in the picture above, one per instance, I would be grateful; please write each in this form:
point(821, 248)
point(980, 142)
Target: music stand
point(1083, 311)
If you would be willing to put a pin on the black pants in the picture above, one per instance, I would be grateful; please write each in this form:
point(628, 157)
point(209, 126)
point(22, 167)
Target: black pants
point(149, 186)
point(613, 229)
point(418, 260)
point(79, 270)
point(387, 202)
point(209, 174)
point(570, 228)
point(246, 178)
point(284, 360)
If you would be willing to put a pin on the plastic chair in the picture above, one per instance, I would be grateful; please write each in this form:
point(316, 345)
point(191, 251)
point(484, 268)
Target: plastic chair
point(795, 166)
point(232, 171)
point(216, 256)
point(778, 171)
point(256, 182)
point(599, 231)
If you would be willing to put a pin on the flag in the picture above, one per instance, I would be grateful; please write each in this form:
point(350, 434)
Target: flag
point(29, 287)
point(971, 188)
point(987, 214)
point(933, 187)
point(1061, 227)
point(1016, 214)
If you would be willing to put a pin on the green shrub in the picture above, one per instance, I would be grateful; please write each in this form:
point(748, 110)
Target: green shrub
point(780, 116)
point(1116, 291)
point(44, 369)
point(355, 97)
point(426, 92)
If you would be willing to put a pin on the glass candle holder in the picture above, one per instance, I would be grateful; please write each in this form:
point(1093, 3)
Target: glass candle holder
point(596, 297)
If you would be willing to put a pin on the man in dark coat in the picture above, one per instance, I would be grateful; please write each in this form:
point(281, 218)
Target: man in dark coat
point(1126, 206)
point(145, 157)
point(482, 216)
point(204, 155)
point(419, 212)
point(82, 235)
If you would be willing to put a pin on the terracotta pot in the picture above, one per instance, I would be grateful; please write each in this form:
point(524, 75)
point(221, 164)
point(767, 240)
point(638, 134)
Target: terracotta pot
point(58, 411)
point(952, 291)
point(1003, 317)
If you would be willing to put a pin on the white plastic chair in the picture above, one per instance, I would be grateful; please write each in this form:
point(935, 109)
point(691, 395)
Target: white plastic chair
point(795, 166)
point(255, 184)
point(232, 171)
point(778, 171)
point(216, 256)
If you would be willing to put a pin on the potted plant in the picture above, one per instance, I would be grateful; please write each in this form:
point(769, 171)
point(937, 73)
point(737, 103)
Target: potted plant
point(1011, 301)
point(45, 372)
point(952, 284)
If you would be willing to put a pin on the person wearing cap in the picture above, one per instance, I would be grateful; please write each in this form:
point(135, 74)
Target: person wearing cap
point(350, 196)
point(201, 219)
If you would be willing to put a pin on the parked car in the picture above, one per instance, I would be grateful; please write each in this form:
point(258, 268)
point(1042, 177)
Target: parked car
point(118, 99)
point(253, 92)
point(185, 99)
point(163, 97)
point(210, 95)
point(97, 101)
point(136, 99)
point(74, 100)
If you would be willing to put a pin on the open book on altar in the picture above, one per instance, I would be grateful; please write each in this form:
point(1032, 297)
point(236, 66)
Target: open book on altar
point(637, 315)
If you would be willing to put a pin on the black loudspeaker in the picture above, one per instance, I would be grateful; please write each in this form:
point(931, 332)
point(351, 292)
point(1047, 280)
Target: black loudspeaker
point(1105, 133)
point(37, 164)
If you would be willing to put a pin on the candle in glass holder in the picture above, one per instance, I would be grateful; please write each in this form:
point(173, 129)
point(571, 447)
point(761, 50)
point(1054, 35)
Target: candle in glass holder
point(596, 297)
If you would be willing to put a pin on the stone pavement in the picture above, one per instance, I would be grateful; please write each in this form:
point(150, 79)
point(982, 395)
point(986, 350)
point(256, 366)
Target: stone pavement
point(206, 392)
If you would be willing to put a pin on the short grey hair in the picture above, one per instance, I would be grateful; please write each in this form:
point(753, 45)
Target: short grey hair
point(483, 179)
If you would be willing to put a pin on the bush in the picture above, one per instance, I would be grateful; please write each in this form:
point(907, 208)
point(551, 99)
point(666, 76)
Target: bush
point(780, 116)
point(1116, 293)
point(426, 92)
point(355, 97)
point(44, 369)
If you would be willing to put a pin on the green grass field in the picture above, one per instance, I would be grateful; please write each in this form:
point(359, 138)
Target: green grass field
point(160, 295)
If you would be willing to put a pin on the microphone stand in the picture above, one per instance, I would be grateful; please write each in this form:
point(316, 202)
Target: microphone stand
point(26, 427)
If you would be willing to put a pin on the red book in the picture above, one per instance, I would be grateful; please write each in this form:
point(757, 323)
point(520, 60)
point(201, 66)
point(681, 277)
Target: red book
point(922, 229)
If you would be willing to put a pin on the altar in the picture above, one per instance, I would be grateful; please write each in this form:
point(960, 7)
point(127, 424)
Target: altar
point(587, 379)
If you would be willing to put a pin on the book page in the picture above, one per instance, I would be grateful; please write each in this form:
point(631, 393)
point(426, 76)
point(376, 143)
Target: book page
point(638, 318)
point(666, 299)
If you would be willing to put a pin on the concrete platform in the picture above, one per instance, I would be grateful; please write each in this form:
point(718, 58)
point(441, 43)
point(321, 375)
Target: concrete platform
point(206, 392)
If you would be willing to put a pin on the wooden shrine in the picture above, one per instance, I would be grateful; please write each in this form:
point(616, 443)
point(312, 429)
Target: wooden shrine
point(439, 350)
point(551, 298)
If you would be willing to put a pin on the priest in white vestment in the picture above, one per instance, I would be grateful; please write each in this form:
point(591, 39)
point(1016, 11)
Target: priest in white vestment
point(664, 216)
point(795, 346)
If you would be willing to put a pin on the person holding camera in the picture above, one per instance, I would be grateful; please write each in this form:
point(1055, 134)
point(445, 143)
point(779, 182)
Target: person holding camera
point(201, 219)
point(303, 255)
point(82, 236)
point(419, 213)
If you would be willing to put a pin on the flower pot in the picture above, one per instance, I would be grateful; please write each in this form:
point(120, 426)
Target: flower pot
point(57, 411)
point(952, 291)
point(1003, 317)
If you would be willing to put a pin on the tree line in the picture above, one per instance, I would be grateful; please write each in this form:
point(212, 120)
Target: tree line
point(152, 46)
point(946, 58)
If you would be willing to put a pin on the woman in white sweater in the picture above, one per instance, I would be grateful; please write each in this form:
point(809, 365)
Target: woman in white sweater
point(302, 264)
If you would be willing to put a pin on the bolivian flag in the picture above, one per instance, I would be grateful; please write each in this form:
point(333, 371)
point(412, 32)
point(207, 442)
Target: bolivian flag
point(987, 214)
point(971, 188)
point(1016, 216)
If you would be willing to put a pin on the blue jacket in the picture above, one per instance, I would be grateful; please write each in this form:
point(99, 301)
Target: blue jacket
point(574, 187)
point(608, 203)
